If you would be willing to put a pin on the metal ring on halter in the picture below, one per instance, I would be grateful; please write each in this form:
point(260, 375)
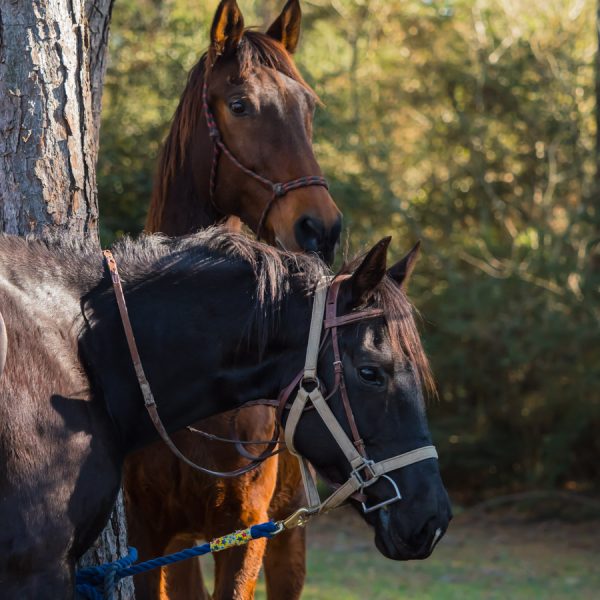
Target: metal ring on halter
point(397, 495)
point(310, 380)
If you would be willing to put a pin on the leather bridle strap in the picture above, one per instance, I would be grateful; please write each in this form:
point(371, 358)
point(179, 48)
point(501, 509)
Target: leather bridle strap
point(278, 190)
point(149, 401)
point(308, 376)
point(332, 323)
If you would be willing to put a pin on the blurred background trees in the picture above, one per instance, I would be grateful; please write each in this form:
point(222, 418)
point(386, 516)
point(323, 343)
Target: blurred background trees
point(469, 124)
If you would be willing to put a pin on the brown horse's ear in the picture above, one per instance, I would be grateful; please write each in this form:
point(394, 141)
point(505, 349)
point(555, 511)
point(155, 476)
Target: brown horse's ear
point(227, 28)
point(401, 271)
point(369, 273)
point(286, 27)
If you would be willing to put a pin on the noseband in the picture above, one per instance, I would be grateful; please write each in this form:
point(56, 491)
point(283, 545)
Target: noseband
point(278, 190)
point(364, 472)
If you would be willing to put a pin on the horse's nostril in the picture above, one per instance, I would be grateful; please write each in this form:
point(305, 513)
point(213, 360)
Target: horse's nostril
point(310, 233)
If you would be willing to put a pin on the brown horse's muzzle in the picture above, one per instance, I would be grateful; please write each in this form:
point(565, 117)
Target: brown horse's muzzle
point(307, 220)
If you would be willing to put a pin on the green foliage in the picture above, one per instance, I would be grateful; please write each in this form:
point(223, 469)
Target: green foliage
point(468, 125)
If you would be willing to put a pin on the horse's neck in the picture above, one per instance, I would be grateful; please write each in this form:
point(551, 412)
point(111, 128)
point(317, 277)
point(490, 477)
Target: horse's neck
point(199, 356)
point(183, 209)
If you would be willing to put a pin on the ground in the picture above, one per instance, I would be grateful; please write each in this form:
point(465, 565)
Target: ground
point(481, 557)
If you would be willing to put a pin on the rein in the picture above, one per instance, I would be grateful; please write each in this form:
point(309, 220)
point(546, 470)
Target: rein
point(149, 401)
point(324, 323)
point(278, 190)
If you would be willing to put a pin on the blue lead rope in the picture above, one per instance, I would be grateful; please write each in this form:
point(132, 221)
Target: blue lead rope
point(100, 583)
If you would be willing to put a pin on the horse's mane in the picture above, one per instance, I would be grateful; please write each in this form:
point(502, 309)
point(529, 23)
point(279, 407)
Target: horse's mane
point(179, 257)
point(78, 263)
point(275, 271)
point(255, 49)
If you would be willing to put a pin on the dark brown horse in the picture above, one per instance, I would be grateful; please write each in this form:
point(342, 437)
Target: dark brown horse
point(71, 408)
point(173, 504)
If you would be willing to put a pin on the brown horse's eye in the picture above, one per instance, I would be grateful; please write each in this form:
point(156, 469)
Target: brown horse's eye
point(237, 106)
point(371, 375)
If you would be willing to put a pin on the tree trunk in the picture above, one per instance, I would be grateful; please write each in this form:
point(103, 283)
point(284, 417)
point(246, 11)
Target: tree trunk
point(52, 65)
point(47, 159)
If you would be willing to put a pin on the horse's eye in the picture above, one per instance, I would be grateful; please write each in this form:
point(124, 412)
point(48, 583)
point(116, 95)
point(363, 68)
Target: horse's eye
point(371, 375)
point(237, 106)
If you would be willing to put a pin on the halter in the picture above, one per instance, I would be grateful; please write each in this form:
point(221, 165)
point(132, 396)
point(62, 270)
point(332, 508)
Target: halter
point(364, 473)
point(278, 190)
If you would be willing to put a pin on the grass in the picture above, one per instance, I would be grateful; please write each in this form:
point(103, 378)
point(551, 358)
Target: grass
point(480, 558)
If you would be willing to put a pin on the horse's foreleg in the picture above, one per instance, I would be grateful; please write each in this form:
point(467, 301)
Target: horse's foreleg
point(183, 580)
point(149, 544)
point(236, 571)
point(285, 565)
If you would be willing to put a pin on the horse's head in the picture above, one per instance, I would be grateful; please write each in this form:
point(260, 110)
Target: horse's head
point(384, 369)
point(263, 111)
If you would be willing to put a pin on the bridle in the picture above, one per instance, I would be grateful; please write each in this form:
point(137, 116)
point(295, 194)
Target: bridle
point(278, 190)
point(324, 323)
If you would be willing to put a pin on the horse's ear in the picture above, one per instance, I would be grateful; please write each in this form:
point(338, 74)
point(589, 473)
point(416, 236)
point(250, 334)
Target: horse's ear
point(227, 27)
point(286, 27)
point(369, 273)
point(401, 271)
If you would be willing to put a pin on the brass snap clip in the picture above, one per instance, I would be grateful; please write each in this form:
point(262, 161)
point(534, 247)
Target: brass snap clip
point(298, 519)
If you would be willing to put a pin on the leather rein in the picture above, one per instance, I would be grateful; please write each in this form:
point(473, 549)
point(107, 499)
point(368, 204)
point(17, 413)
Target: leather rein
point(278, 190)
point(324, 323)
point(149, 401)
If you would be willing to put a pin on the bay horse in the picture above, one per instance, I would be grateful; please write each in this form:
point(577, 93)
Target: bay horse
point(251, 157)
point(170, 506)
point(220, 320)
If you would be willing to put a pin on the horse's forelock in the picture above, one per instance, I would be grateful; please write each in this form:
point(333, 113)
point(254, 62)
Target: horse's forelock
point(400, 315)
point(257, 49)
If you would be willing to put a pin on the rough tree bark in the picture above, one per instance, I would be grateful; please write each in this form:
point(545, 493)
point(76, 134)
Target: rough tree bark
point(52, 64)
point(47, 161)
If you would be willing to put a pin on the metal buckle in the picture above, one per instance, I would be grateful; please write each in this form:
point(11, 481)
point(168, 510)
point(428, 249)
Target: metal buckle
point(397, 496)
point(367, 464)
